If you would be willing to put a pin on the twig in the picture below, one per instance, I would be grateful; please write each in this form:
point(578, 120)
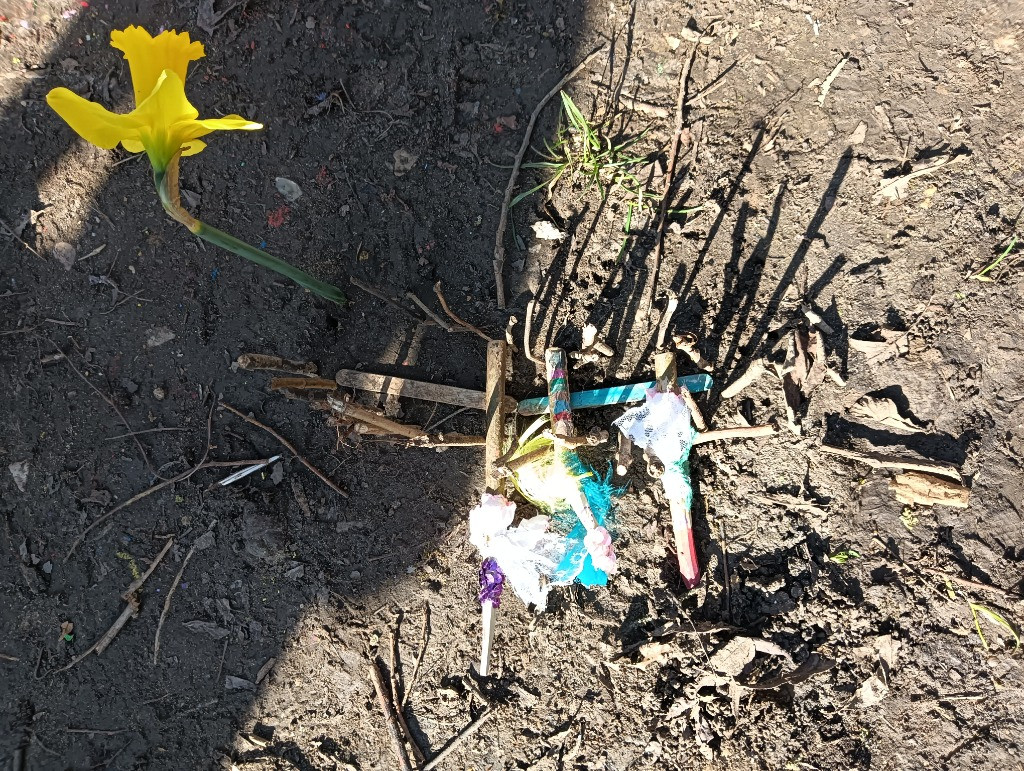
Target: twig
point(433, 316)
point(432, 426)
point(677, 136)
point(880, 460)
point(396, 640)
point(97, 731)
point(114, 407)
point(167, 600)
point(464, 734)
point(144, 431)
point(725, 570)
point(740, 432)
point(456, 319)
point(131, 609)
point(16, 237)
point(223, 653)
point(381, 296)
point(112, 758)
point(5, 657)
point(497, 369)
point(397, 745)
point(424, 637)
point(396, 692)
point(261, 361)
point(302, 384)
point(138, 582)
point(499, 246)
point(136, 498)
point(972, 584)
point(666, 319)
point(528, 332)
point(288, 446)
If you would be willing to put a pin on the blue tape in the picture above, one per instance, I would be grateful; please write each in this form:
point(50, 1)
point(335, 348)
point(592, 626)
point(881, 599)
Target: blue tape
point(604, 397)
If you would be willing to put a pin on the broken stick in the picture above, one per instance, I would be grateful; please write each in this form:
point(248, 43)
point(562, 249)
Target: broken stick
point(880, 460)
point(397, 745)
point(416, 389)
point(258, 361)
point(497, 366)
point(682, 518)
point(288, 446)
point(499, 241)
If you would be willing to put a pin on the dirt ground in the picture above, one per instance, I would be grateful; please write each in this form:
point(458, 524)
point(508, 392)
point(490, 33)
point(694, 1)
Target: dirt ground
point(264, 650)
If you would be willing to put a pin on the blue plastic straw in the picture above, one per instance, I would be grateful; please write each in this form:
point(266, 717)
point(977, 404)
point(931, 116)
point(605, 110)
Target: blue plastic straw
point(604, 397)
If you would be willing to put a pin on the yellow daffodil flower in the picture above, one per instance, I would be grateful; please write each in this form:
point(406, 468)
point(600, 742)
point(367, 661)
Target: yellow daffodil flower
point(163, 122)
point(166, 126)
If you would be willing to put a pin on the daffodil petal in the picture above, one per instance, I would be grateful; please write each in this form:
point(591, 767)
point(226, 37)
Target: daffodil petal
point(193, 146)
point(167, 105)
point(132, 145)
point(149, 56)
point(92, 121)
point(192, 130)
point(229, 123)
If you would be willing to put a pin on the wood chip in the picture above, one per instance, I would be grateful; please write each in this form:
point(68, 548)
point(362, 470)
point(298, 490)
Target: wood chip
point(883, 411)
point(915, 488)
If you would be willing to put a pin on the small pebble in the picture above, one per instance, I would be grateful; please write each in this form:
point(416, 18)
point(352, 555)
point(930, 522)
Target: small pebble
point(354, 574)
point(159, 393)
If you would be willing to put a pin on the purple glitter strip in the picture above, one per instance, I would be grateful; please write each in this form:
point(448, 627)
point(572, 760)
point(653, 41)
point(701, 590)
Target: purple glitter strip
point(492, 580)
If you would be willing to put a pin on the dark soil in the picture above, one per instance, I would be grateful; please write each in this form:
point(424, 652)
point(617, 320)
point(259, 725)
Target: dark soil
point(605, 679)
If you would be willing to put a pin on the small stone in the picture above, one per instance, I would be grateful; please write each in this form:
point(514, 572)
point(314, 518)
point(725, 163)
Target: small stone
point(289, 190)
point(354, 574)
point(405, 161)
point(159, 393)
point(65, 254)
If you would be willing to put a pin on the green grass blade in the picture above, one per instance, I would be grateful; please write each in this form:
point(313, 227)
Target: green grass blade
point(978, 609)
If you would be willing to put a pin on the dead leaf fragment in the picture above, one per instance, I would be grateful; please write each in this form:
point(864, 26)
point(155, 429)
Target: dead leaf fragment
point(916, 489)
point(883, 411)
point(656, 653)
point(895, 189)
point(233, 683)
point(872, 691)
point(19, 470)
point(891, 345)
point(265, 670)
point(859, 134)
point(209, 628)
point(404, 161)
point(732, 657)
point(815, 664)
point(158, 336)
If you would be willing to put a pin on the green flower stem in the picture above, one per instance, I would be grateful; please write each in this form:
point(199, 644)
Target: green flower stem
point(166, 181)
point(260, 257)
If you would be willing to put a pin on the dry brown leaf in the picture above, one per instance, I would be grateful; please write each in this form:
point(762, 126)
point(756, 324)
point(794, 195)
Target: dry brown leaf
point(656, 653)
point(892, 344)
point(883, 411)
point(732, 657)
point(815, 664)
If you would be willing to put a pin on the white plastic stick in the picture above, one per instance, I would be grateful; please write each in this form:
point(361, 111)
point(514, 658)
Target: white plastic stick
point(487, 637)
